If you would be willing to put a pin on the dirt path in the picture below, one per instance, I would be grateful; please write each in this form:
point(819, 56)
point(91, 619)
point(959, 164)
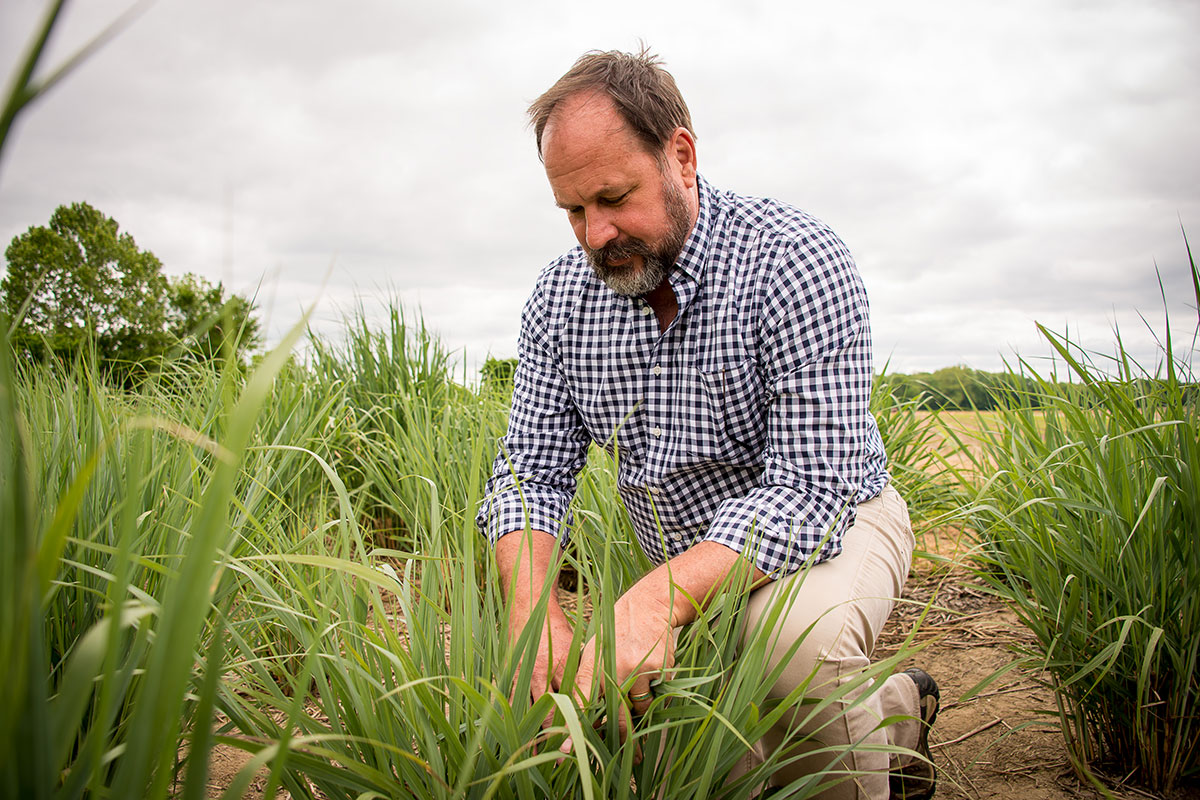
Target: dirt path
point(996, 744)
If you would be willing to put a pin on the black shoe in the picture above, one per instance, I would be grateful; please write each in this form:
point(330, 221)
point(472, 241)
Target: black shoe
point(916, 781)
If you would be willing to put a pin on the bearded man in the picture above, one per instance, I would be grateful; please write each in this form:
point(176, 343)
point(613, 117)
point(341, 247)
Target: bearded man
point(722, 345)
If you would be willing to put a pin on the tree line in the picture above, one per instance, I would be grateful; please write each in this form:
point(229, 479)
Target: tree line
point(79, 286)
point(959, 388)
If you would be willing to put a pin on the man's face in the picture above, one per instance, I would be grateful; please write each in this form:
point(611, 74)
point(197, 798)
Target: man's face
point(630, 210)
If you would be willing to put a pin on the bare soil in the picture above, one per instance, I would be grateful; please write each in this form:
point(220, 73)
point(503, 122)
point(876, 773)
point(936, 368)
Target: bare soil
point(1001, 743)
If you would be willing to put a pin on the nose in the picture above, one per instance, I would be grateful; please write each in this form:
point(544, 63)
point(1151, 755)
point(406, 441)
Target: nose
point(599, 229)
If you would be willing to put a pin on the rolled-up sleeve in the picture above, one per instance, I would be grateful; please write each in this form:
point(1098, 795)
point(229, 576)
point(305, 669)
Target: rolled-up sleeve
point(534, 475)
point(821, 442)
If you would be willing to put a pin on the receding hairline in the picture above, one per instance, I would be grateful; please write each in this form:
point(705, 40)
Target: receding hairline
point(579, 101)
point(641, 91)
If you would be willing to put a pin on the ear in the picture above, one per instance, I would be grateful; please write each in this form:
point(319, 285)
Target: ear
point(681, 154)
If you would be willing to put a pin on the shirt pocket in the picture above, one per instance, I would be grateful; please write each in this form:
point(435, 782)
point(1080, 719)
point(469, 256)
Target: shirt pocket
point(733, 393)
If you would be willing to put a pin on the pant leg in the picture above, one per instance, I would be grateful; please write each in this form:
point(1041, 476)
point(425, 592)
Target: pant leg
point(846, 600)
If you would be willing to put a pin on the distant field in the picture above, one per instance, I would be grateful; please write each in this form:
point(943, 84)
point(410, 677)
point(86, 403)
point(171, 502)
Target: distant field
point(969, 427)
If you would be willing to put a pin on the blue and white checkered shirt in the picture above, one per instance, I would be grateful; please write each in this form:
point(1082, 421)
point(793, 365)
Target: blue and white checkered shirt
point(745, 423)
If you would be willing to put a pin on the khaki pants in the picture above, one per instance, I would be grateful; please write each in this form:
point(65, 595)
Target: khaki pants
point(847, 600)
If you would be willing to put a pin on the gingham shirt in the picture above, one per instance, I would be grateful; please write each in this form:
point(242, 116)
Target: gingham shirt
point(745, 423)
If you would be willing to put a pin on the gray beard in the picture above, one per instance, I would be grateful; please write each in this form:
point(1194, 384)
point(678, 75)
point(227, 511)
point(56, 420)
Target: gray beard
point(628, 281)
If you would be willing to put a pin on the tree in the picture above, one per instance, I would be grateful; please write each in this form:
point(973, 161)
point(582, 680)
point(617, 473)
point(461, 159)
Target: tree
point(498, 376)
point(80, 283)
point(206, 323)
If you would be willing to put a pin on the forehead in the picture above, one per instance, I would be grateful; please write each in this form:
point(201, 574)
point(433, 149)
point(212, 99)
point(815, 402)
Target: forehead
point(587, 148)
point(580, 114)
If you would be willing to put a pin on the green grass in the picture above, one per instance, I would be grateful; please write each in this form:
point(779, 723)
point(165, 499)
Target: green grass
point(1088, 520)
point(285, 562)
point(203, 562)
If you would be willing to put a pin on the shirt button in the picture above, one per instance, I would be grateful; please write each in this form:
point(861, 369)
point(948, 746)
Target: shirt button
point(657, 370)
point(646, 310)
point(657, 432)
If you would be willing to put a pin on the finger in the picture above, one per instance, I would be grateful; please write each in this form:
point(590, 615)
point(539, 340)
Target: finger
point(565, 750)
point(582, 700)
point(581, 691)
point(555, 677)
point(640, 695)
point(584, 679)
point(624, 724)
point(536, 692)
point(539, 683)
point(624, 721)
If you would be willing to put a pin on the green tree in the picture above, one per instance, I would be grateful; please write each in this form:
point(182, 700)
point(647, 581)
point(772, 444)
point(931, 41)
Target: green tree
point(208, 324)
point(498, 375)
point(80, 283)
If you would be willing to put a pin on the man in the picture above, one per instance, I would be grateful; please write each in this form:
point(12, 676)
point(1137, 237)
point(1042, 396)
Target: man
point(722, 345)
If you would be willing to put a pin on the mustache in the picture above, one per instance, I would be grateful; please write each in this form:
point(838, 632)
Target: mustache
point(619, 251)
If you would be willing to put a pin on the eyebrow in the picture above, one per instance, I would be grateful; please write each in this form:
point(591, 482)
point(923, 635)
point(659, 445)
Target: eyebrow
point(605, 190)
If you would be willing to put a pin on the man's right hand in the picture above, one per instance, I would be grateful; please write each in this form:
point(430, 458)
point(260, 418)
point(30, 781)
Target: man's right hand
point(528, 566)
point(552, 648)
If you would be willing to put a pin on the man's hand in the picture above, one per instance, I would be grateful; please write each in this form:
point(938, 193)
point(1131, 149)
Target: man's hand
point(645, 617)
point(528, 563)
point(645, 650)
point(552, 649)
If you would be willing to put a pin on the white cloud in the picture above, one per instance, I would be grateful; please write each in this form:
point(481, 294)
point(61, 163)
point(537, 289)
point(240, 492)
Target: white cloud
point(989, 164)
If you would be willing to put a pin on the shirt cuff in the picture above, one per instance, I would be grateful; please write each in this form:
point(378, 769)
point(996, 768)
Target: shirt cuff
point(512, 509)
point(775, 541)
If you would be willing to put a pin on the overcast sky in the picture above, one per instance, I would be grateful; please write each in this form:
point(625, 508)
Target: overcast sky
point(989, 164)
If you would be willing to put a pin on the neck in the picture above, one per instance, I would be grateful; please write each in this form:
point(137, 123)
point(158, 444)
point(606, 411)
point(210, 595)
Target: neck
point(662, 300)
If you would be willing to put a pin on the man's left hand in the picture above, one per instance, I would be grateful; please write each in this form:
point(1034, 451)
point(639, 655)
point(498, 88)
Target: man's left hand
point(645, 650)
point(645, 617)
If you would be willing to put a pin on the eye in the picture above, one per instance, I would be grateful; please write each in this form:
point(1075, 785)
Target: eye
point(614, 201)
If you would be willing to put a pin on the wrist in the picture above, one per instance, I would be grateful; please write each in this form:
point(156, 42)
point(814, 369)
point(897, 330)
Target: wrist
point(522, 605)
point(687, 583)
point(527, 564)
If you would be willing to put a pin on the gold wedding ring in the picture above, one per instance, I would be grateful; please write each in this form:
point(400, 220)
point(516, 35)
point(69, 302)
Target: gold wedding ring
point(637, 698)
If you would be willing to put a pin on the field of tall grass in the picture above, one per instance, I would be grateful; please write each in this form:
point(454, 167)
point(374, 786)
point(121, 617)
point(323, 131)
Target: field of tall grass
point(1083, 495)
point(1087, 510)
point(283, 560)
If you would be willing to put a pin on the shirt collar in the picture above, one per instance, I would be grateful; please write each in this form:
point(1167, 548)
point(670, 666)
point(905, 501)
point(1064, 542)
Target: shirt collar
point(695, 249)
